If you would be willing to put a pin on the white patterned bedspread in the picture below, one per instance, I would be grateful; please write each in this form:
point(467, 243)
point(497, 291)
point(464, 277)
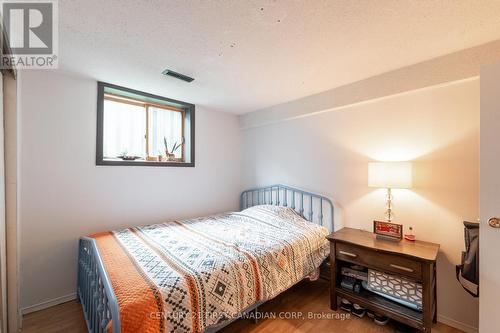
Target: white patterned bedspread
point(200, 272)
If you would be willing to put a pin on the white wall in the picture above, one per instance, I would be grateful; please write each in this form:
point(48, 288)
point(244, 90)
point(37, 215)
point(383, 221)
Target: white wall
point(437, 128)
point(64, 195)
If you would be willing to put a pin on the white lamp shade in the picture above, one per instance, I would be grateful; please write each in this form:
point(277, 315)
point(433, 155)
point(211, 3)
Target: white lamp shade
point(390, 174)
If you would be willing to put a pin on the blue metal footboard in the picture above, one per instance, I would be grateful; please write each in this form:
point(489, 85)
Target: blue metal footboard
point(94, 290)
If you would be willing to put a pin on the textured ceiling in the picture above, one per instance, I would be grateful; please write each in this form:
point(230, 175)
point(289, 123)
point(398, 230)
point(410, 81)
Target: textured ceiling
point(248, 55)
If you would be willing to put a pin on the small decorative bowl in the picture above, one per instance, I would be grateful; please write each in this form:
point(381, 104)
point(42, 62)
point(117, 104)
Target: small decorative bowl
point(129, 158)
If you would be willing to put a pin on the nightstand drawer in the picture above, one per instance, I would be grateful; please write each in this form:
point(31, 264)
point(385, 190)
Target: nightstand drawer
point(374, 259)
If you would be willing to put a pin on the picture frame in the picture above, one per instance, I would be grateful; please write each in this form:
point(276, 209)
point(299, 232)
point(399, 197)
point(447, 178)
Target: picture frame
point(388, 230)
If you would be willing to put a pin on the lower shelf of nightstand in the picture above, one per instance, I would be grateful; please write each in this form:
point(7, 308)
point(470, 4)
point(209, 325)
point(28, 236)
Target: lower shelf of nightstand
point(383, 306)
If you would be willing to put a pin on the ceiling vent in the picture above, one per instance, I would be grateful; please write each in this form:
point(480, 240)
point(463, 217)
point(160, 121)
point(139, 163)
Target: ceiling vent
point(168, 72)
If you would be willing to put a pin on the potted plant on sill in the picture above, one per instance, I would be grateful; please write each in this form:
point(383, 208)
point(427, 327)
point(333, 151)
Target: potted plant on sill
point(170, 154)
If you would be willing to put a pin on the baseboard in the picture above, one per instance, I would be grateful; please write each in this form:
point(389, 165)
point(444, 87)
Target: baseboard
point(456, 324)
point(48, 304)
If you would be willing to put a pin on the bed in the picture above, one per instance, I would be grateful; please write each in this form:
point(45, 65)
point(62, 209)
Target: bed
point(199, 275)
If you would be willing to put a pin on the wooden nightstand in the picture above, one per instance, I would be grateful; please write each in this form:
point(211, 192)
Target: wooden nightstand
point(415, 261)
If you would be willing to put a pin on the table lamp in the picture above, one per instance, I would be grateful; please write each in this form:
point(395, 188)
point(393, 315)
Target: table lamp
point(389, 175)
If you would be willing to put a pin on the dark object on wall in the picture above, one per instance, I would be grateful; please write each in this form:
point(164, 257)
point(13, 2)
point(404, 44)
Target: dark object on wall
point(468, 270)
point(169, 72)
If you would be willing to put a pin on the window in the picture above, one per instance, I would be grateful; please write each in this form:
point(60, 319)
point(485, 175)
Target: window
point(136, 128)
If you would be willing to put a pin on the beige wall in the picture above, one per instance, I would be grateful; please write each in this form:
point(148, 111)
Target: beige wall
point(437, 128)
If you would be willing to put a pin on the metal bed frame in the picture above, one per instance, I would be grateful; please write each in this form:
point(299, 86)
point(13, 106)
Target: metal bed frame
point(94, 290)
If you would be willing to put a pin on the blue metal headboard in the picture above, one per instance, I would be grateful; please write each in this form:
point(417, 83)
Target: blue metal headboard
point(311, 206)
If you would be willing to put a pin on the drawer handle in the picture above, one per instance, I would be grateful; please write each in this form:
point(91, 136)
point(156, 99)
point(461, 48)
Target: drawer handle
point(402, 268)
point(349, 254)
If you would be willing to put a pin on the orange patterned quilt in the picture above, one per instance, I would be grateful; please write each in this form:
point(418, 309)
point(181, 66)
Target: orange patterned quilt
point(187, 276)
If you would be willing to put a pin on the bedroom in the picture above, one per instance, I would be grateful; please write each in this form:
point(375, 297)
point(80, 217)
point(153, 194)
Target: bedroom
point(98, 136)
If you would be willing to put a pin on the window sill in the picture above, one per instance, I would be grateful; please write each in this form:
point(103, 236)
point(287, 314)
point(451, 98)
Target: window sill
point(142, 162)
